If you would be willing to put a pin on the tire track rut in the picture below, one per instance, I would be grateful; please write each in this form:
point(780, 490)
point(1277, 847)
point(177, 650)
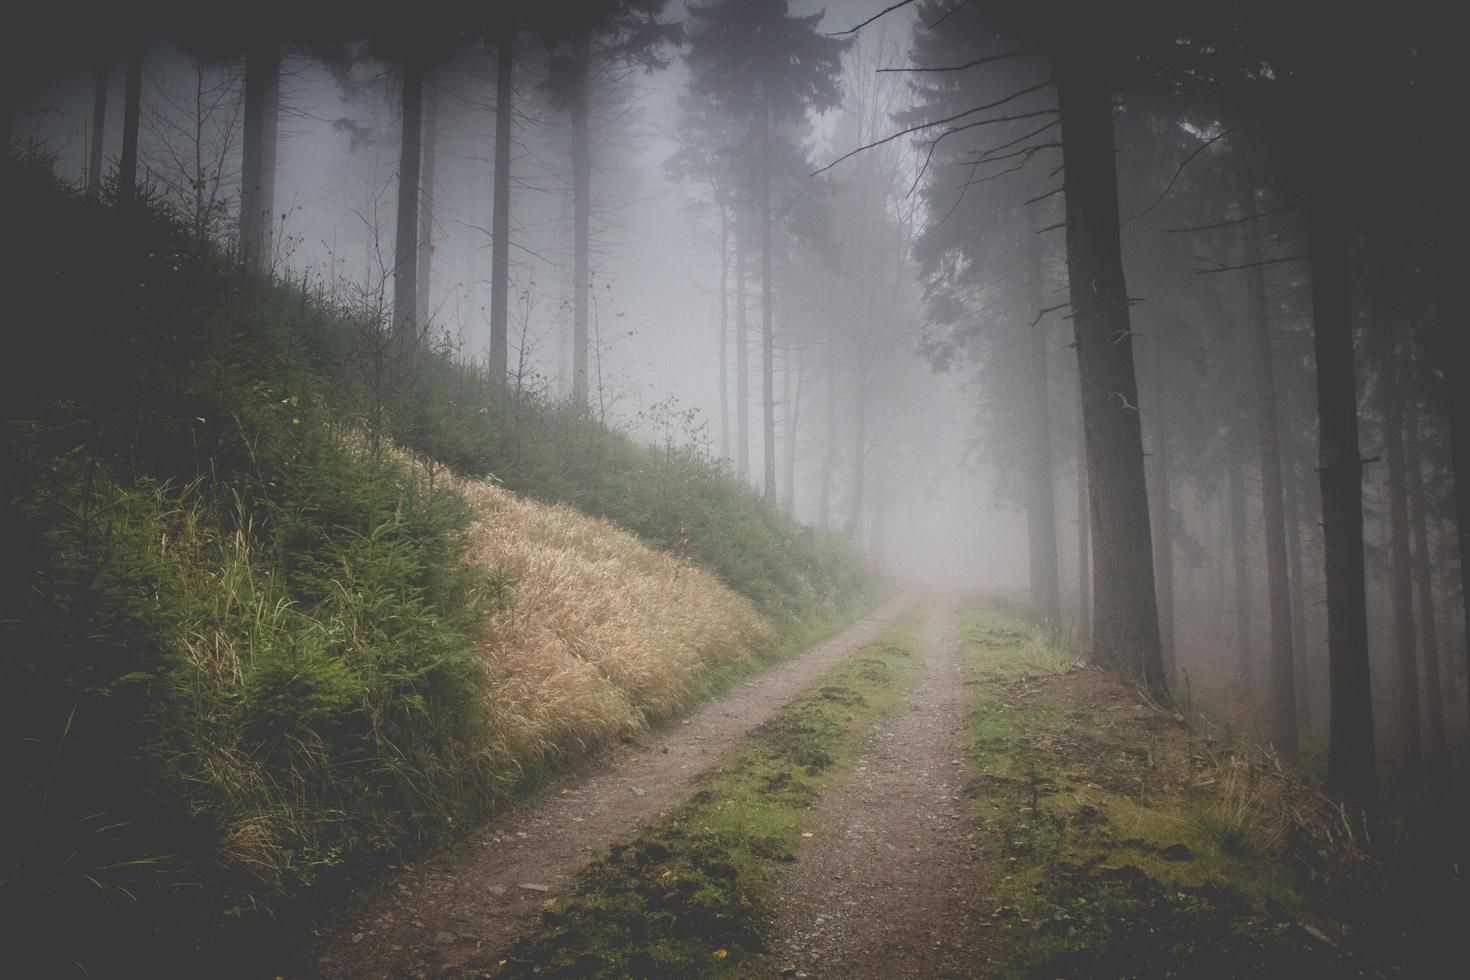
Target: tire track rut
point(890, 887)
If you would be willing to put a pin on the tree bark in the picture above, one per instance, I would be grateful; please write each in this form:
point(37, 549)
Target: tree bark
point(262, 76)
point(99, 130)
point(127, 165)
point(742, 351)
point(581, 215)
point(1084, 540)
point(768, 333)
point(405, 250)
point(1351, 768)
point(1280, 660)
point(859, 448)
point(1240, 563)
point(268, 161)
point(724, 332)
point(1438, 762)
point(1454, 355)
point(1306, 676)
point(1162, 518)
point(791, 398)
point(829, 451)
point(1126, 619)
point(1410, 725)
point(424, 280)
point(500, 229)
point(1041, 509)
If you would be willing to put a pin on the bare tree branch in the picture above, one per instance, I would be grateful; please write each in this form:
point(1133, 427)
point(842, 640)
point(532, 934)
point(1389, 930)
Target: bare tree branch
point(940, 122)
point(1235, 221)
point(1187, 161)
point(1042, 197)
point(985, 154)
point(1250, 265)
point(972, 64)
point(1048, 309)
point(945, 16)
point(886, 10)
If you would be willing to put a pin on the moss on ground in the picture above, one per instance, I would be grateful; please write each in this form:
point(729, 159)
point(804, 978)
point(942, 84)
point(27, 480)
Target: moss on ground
point(1120, 843)
point(689, 896)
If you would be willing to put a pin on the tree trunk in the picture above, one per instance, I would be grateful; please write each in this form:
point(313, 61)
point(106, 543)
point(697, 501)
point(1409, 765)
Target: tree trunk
point(859, 449)
point(500, 230)
point(127, 165)
point(1041, 509)
point(99, 130)
point(1126, 618)
point(1280, 662)
point(1084, 540)
point(1306, 676)
point(742, 351)
point(581, 215)
point(829, 451)
point(1164, 538)
point(791, 399)
point(1351, 768)
point(1424, 591)
point(262, 76)
point(1239, 546)
point(1454, 355)
point(405, 251)
point(268, 161)
point(1410, 726)
point(768, 333)
point(424, 301)
point(724, 332)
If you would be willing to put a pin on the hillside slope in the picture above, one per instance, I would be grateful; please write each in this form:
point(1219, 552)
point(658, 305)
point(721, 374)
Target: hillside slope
point(246, 662)
point(600, 633)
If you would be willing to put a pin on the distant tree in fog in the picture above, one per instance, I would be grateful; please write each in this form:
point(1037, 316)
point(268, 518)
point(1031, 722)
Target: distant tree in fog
point(579, 33)
point(765, 70)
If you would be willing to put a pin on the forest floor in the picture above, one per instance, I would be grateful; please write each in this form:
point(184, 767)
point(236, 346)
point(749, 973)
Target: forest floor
point(481, 896)
point(939, 792)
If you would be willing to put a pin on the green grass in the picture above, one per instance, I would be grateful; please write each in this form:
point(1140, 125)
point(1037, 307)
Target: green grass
point(1117, 842)
point(689, 896)
point(238, 671)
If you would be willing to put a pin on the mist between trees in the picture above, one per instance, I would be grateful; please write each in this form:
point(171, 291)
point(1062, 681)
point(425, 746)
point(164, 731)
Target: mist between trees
point(1145, 309)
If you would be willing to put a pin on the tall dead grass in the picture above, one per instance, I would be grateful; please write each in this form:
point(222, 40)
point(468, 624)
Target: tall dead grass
point(602, 635)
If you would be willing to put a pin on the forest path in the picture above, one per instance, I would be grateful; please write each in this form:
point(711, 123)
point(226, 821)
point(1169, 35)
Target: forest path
point(889, 885)
point(485, 894)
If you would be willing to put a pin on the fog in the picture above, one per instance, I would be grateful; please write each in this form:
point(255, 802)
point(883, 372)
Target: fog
point(924, 402)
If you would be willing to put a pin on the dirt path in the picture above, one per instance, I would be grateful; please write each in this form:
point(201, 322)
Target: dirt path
point(889, 888)
point(481, 897)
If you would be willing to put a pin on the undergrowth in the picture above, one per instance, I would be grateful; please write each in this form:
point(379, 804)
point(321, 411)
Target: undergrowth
point(689, 896)
point(239, 663)
point(1120, 842)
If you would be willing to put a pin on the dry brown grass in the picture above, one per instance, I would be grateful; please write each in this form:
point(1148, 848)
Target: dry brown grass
point(601, 635)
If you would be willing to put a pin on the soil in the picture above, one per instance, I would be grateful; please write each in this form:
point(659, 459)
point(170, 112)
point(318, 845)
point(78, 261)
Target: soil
point(889, 886)
point(481, 897)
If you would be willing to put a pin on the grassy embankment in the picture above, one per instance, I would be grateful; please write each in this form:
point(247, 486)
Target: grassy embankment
point(689, 896)
point(1119, 842)
point(250, 654)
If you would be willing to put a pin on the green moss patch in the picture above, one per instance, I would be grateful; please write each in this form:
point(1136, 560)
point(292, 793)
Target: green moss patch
point(1120, 843)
